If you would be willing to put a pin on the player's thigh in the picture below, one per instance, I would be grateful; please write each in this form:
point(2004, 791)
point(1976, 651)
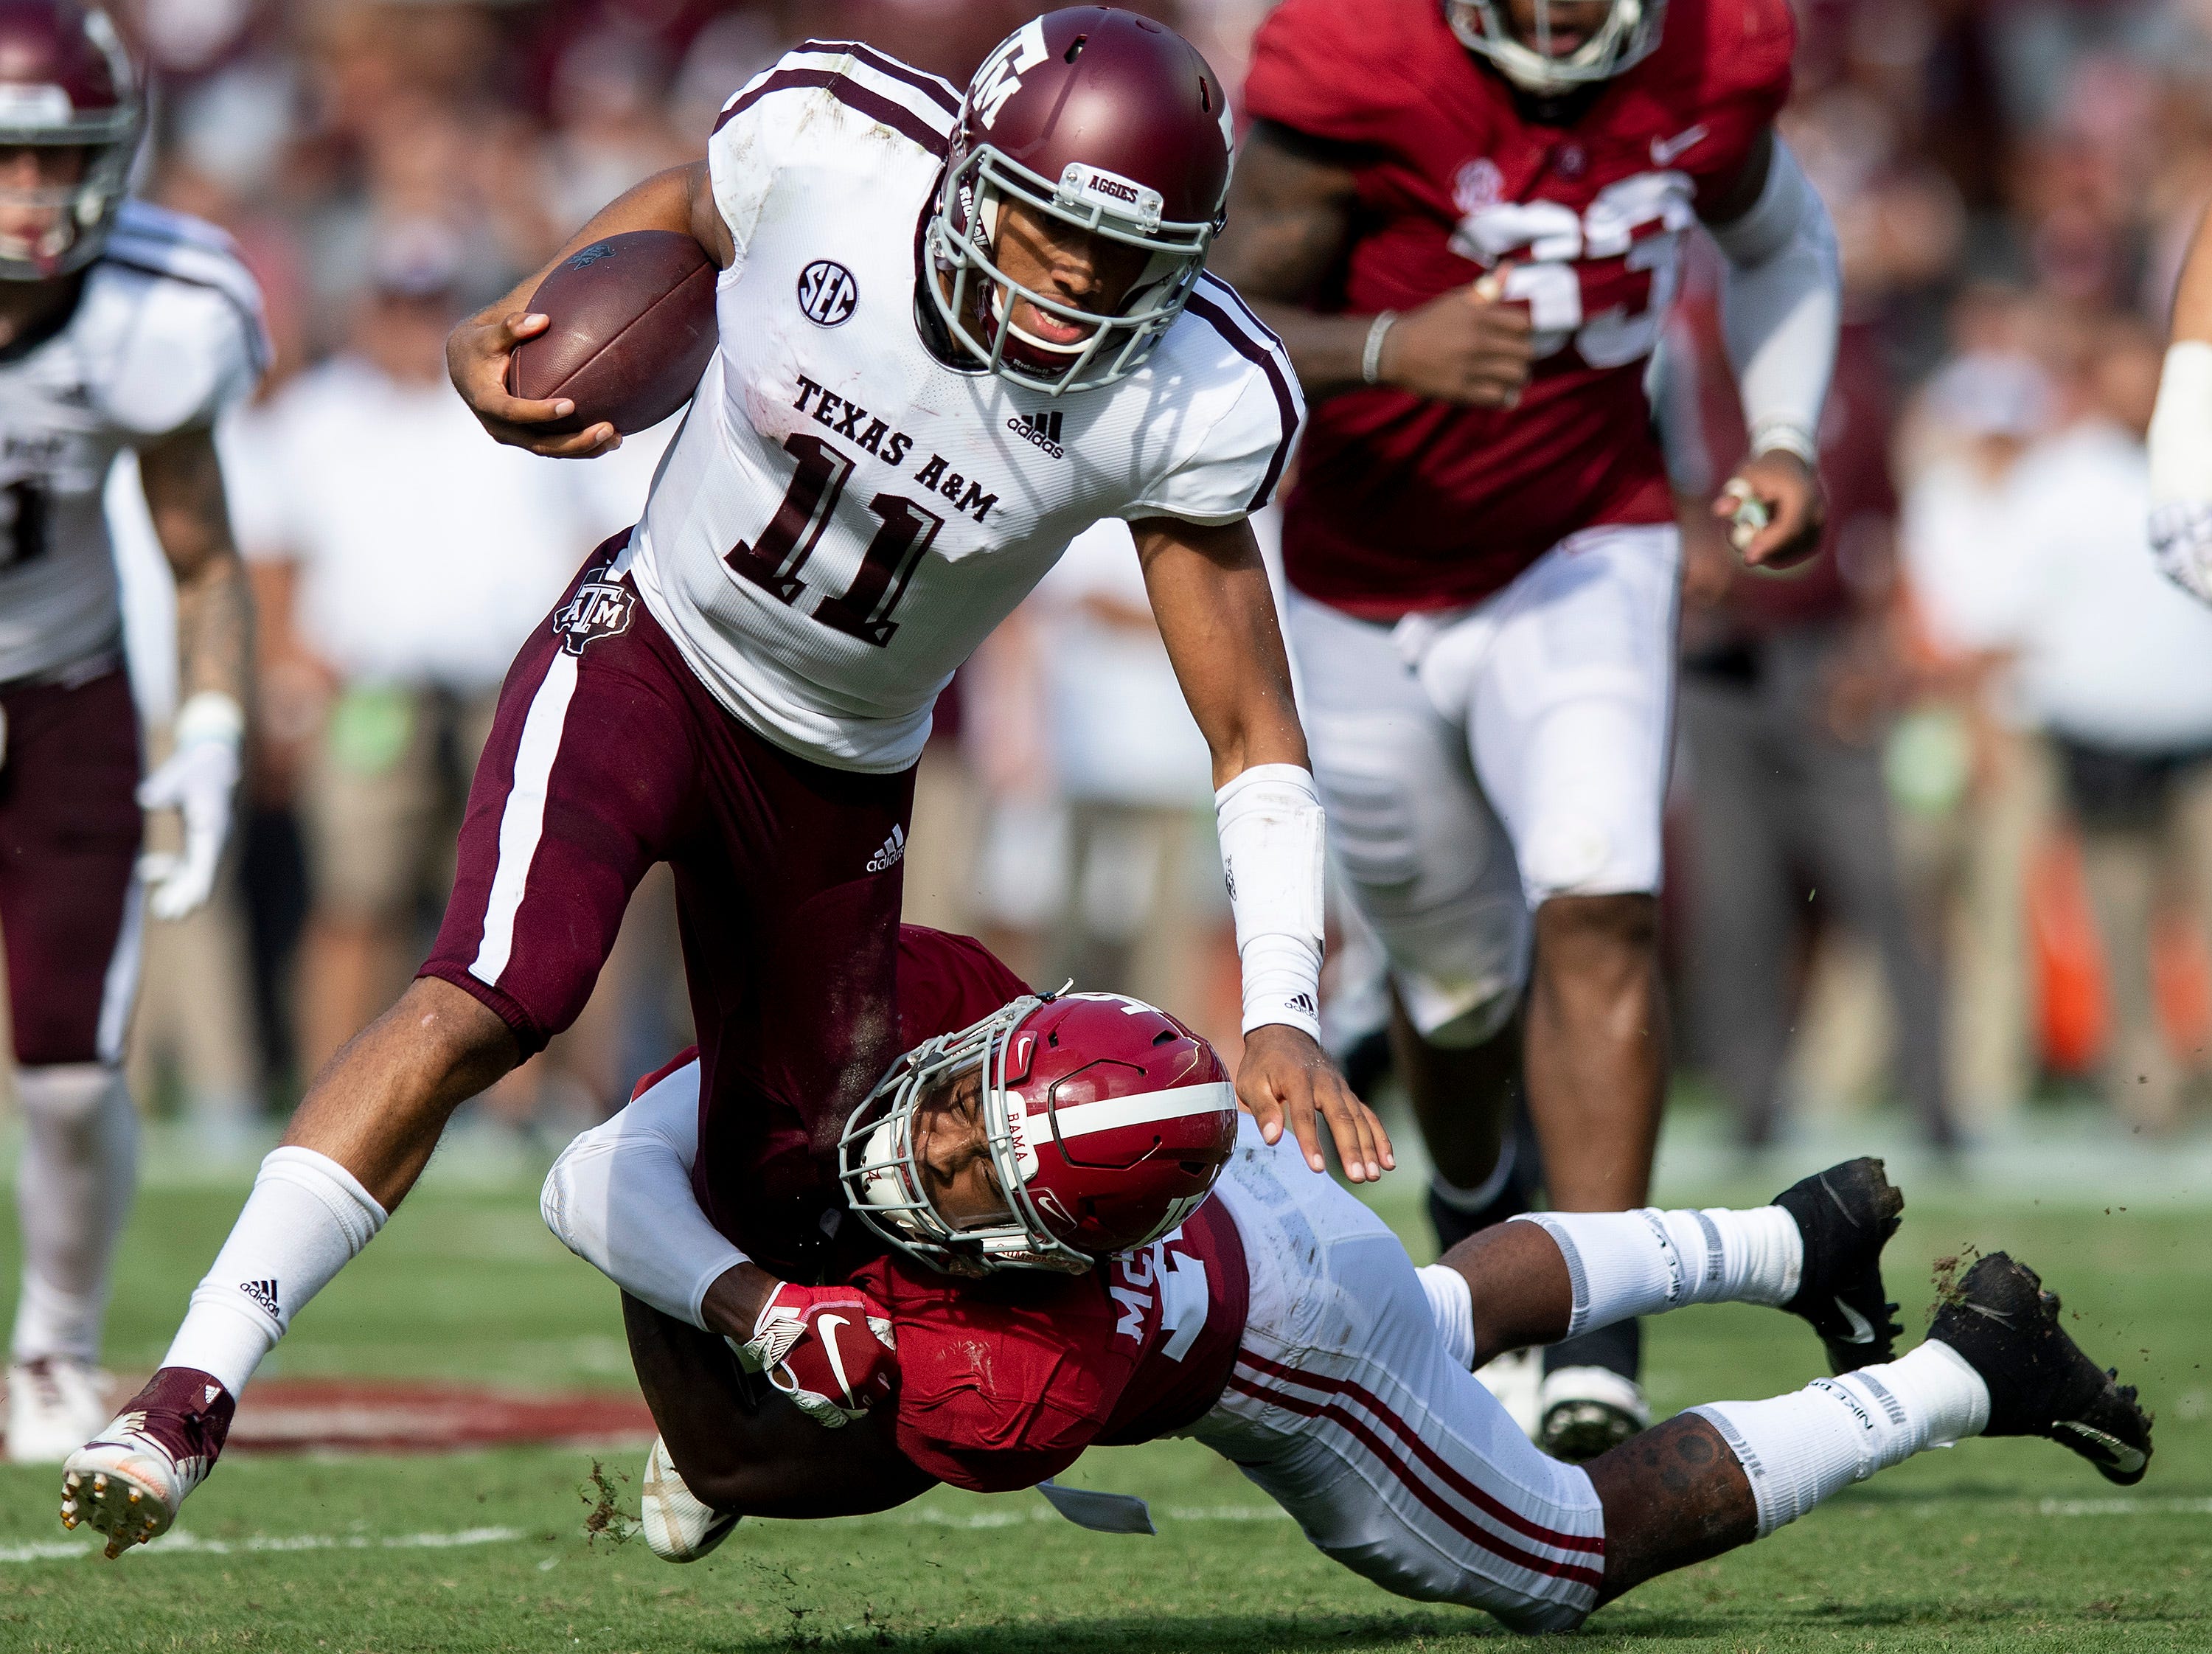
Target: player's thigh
point(70, 833)
point(1571, 714)
point(590, 775)
point(789, 897)
point(1423, 854)
point(370, 798)
point(1397, 1463)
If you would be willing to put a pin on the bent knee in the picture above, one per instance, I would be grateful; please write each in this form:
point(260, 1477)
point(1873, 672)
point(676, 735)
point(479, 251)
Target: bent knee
point(1625, 922)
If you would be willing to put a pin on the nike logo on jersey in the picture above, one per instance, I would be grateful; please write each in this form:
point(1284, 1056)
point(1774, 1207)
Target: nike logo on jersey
point(892, 852)
point(1664, 150)
point(1861, 1332)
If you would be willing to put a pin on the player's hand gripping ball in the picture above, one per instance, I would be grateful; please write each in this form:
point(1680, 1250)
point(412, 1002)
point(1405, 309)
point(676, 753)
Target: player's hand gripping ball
point(830, 1349)
point(632, 326)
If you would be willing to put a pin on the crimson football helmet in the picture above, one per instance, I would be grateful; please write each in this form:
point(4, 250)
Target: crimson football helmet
point(1103, 120)
point(1106, 1123)
point(66, 81)
point(1627, 36)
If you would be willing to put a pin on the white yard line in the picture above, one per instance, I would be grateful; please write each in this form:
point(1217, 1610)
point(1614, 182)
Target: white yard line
point(193, 1544)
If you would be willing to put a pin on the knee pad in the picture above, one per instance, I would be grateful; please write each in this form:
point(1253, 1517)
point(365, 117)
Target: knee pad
point(69, 1094)
point(1567, 855)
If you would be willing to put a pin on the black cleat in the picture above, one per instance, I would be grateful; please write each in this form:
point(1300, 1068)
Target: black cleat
point(1846, 1215)
point(2040, 1382)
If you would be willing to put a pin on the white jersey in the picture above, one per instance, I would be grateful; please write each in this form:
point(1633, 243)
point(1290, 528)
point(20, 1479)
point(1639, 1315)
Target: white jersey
point(844, 516)
point(166, 333)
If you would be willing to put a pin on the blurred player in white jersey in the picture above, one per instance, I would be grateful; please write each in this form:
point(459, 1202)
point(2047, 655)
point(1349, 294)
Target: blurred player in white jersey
point(954, 332)
point(120, 327)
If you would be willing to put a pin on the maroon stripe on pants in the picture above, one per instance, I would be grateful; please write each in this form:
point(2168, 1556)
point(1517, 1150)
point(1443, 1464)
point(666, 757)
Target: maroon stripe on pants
point(1443, 1469)
point(69, 830)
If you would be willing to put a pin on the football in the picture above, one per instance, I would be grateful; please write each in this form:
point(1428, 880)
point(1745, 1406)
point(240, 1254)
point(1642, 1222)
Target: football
point(633, 325)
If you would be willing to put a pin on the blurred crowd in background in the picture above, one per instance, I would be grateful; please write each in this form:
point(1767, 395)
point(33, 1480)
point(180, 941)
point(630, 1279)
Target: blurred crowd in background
point(1959, 774)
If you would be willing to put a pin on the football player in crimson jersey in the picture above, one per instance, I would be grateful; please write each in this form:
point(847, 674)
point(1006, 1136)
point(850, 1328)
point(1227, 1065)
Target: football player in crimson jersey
point(121, 327)
point(1463, 218)
point(1053, 1286)
point(954, 332)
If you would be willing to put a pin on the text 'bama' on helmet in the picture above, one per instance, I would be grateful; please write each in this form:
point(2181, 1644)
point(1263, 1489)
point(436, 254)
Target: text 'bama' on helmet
point(1106, 1123)
point(1553, 49)
point(1103, 121)
point(71, 115)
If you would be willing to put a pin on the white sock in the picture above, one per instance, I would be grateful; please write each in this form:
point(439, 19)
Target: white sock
point(1644, 1263)
point(1799, 1449)
point(307, 1218)
point(1451, 1301)
point(73, 1190)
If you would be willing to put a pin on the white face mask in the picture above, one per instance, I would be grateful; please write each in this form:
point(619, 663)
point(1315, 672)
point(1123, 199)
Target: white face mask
point(1628, 35)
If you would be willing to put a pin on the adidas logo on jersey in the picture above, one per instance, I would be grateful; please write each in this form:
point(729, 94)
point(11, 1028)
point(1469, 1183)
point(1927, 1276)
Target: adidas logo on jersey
point(1041, 431)
point(263, 1292)
point(892, 852)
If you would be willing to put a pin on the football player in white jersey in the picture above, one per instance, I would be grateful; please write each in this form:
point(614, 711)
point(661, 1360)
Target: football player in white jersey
point(954, 332)
point(120, 327)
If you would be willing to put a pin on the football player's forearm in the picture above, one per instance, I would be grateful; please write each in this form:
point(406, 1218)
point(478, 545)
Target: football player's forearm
point(182, 479)
point(215, 630)
point(1327, 351)
point(1209, 593)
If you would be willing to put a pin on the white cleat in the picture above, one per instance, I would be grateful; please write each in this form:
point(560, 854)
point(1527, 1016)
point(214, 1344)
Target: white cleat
point(1587, 1411)
point(55, 1404)
point(130, 1480)
point(677, 1527)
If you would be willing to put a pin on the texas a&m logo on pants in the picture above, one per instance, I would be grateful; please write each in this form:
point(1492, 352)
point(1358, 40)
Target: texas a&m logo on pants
point(599, 609)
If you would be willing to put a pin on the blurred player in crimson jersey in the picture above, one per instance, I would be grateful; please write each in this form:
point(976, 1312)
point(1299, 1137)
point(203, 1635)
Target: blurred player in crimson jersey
point(1464, 219)
point(954, 332)
point(1057, 1278)
point(121, 326)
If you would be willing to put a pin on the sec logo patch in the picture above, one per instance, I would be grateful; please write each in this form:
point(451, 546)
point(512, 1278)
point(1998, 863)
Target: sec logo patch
point(827, 292)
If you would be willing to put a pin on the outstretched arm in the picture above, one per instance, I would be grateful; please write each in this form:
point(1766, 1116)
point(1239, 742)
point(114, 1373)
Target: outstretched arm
point(183, 482)
point(1216, 617)
point(681, 200)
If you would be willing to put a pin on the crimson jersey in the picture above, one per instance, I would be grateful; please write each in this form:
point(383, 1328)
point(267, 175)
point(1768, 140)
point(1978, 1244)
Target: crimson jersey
point(1403, 503)
point(1004, 1382)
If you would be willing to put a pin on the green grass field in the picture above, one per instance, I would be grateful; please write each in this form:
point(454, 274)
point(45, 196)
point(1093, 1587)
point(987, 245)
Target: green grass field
point(1993, 1545)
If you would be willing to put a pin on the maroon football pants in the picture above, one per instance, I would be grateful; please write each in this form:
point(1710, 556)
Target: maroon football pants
point(609, 755)
point(70, 828)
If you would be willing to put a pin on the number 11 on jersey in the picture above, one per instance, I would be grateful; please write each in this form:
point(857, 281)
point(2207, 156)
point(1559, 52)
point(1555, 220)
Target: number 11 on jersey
point(774, 559)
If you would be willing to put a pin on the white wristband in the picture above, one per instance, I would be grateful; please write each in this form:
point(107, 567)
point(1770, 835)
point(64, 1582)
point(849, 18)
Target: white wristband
point(210, 715)
point(1273, 839)
point(1370, 356)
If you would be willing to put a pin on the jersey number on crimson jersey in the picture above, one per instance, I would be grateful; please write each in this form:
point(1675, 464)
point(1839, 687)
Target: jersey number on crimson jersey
point(1600, 279)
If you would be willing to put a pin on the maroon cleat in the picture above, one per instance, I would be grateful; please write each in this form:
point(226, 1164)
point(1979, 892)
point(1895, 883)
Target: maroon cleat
point(130, 1480)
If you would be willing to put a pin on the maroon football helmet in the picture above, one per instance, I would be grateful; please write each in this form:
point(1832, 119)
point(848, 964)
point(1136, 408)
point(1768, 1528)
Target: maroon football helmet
point(1107, 1123)
point(1106, 121)
point(66, 81)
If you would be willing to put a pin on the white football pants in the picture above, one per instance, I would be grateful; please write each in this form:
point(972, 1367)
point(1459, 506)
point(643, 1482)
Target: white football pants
point(1477, 762)
point(1347, 1410)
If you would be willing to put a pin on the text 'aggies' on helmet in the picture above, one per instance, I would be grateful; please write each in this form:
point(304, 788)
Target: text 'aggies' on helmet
point(1104, 122)
point(1105, 1122)
point(72, 111)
